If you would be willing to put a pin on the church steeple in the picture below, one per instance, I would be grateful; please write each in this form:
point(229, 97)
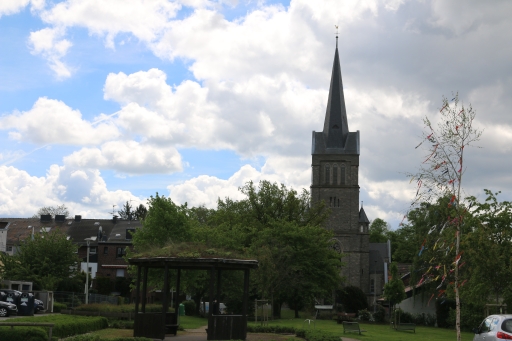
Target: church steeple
point(335, 124)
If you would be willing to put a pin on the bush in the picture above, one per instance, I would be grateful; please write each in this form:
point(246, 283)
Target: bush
point(403, 317)
point(57, 307)
point(120, 324)
point(443, 307)
point(87, 337)
point(425, 319)
point(271, 329)
point(470, 316)
point(352, 298)
point(318, 335)
point(124, 308)
point(190, 307)
point(365, 315)
point(380, 314)
point(67, 325)
point(23, 334)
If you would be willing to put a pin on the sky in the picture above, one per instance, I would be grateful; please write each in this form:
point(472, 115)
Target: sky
point(104, 102)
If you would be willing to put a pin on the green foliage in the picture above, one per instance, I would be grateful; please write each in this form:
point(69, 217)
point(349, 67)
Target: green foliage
point(394, 290)
point(379, 231)
point(402, 316)
point(87, 337)
point(320, 335)
point(103, 285)
point(126, 212)
point(67, 325)
point(120, 324)
point(365, 315)
point(140, 212)
point(443, 307)
point(111, 308)
point(52, 210)
point(23, 334)
point(45, 260)
point(471, 315)
point(270, 329)
point(57, 307)
point(190, 307)
point(352, 298)
point(380, 314)
point(165, 222)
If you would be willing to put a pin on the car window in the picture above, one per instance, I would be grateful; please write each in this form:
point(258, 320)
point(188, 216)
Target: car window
point(494, 323)
point(486, 325)
point(507, 326)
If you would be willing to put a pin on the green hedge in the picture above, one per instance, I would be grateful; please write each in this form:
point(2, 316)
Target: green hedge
point(309, 335)
point(57, 307)
point(23, 334)
point(319, 335)
point(67, 325)
point(123, 308)
point(90, 337)
point(271, 329)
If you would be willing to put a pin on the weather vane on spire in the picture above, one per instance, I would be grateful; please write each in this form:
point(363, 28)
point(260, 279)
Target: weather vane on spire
point(336, 35)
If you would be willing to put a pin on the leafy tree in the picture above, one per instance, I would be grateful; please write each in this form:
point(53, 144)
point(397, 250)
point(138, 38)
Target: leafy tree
point(126, 212)
point(394, 290)
point(440, 175)
point(46, 260)
point(140, 212)
point(52, 210)
point(488, 249)
point(379, 231)
point(165, 222)
point(352, 298)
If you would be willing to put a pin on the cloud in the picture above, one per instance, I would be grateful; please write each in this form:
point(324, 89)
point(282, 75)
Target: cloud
point(53, 122)
point(49, 43)
point(8, 7)
point(82, 191)
point(128, 157)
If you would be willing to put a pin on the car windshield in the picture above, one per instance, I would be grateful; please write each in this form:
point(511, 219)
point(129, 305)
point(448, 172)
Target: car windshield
point(507, 326)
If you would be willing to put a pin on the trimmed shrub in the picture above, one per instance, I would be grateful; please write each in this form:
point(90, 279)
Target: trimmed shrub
point(403, 317)
point(124, 308)
point(23, 334)
point(190, 307)
point(86, 337)
point(120, 324)
point(318, 335)
point(271, 329)
point(57, 307)
point(67, 325)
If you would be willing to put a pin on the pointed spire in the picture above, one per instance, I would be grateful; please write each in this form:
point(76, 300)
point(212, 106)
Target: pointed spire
point(335, 124)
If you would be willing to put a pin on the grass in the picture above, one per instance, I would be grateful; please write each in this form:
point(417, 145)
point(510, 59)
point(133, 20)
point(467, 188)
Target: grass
point(374, 332)
point(110, 333)
point(192, 322)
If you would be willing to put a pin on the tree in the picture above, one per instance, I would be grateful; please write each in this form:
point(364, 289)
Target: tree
point(52, 210)
point(394, 290)
point(489, 247)
point(379, 231)
point(140, 212)
point(441, 174)
point(165, 222)
point(126, 212)
point(46, 260)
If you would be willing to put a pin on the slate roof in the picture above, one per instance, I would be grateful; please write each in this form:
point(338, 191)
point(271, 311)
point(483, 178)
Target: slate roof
point(335, 137)
point(379, 253)
point(362, 216)
point(19, 229)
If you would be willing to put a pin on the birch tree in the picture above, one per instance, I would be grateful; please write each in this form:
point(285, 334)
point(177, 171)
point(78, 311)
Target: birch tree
point(441, 175)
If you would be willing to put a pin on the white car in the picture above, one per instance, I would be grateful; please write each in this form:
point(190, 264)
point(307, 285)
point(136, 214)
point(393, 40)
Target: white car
point(494, 328)
point(204, 308)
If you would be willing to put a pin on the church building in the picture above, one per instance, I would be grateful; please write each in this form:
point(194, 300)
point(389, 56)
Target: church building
point(335, 180)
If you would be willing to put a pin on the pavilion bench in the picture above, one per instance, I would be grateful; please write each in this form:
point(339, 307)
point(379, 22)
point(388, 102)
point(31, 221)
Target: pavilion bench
point(352, 327)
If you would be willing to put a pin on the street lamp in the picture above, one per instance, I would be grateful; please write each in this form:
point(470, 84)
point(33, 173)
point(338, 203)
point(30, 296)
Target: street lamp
point(88, 240)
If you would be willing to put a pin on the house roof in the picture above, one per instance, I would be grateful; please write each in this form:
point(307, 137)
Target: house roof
point(194, 263)
point(362, 216)
point(118, 234)
point(378, 252)
point(19, 229)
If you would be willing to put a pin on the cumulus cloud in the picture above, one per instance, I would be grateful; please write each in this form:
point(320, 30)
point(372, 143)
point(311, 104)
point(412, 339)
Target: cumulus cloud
point(83, 192)
point(129, 157)
point(49, 43)
point(8, 7)
point(51, 121)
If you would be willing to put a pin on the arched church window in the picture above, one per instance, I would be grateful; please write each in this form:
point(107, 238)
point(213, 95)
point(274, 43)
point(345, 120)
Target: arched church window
point(362, 228)
point(327, 179)
point(335, 174)
point(343, 174)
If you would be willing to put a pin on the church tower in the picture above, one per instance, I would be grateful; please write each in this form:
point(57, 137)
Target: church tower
point(335, 168)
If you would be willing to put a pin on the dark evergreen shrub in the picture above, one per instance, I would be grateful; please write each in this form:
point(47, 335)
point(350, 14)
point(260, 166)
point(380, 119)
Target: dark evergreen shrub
point(190, 307)
point(352, 298)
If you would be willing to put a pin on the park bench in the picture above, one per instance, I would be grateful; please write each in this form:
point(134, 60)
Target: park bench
point(30, 324)
point(345, 317)
point(406, 326)
point(352, 327)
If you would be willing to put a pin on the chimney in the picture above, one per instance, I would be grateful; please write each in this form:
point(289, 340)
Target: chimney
point(114, 219)
point(78, 218)
point(46, 218)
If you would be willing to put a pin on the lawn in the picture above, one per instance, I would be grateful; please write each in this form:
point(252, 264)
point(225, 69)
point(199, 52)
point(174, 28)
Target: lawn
point(376, 332)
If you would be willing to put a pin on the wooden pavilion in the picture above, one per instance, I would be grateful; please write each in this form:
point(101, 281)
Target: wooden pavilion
point(220, 327)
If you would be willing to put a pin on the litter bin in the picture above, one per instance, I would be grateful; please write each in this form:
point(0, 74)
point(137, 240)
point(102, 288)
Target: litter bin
point(11, 296)
point(181, 309)
point(26, 305)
